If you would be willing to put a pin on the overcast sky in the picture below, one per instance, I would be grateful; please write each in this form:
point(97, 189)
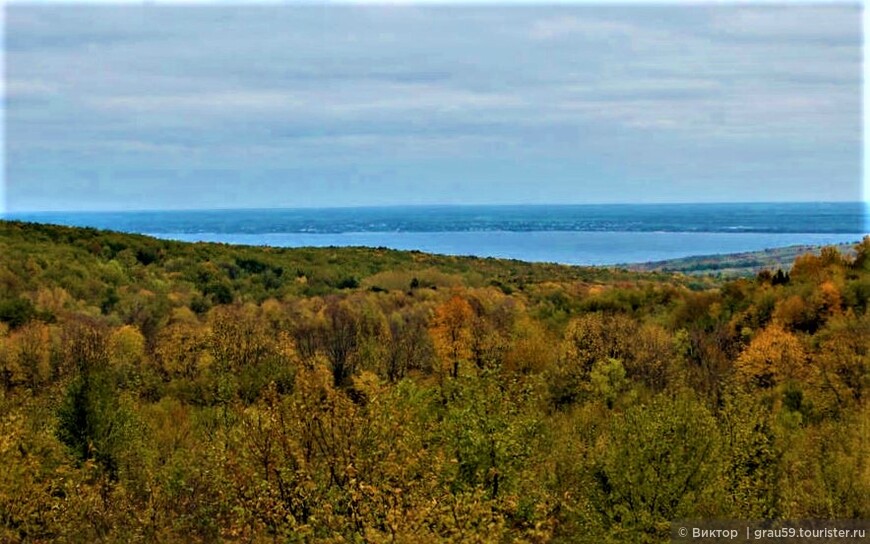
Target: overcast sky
point(150, 107)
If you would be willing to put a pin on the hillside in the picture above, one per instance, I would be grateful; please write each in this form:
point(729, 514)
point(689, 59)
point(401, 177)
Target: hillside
point(157, 391)
point(735, 264)
point(99, 268)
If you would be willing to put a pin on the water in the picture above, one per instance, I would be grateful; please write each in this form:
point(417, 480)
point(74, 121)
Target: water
point(583, 234)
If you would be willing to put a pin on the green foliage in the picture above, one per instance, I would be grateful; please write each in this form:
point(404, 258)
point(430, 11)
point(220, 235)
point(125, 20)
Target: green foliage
point(660, 462)
point(16, 311)
point(752, 459)
point(491, 430)
point(348, 283)
point(94, 423)
point(608, 380)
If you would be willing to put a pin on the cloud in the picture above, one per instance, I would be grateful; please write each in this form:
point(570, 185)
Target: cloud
point(17, 89)
point(432, 90)
point(244, 102)
point(819, 24)
point(566, 25)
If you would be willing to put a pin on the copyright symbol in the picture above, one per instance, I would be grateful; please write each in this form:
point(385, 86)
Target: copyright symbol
point(683, 531)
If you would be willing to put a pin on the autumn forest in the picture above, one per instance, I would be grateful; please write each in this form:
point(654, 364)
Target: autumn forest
point(158, 391)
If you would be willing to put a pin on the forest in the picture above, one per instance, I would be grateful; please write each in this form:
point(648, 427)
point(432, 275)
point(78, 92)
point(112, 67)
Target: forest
point(159, 391)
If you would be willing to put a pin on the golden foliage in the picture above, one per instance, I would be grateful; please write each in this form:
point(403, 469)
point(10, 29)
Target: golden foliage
point(451, 330)
point(126, 346)
point(28, 353)
point(180, 349)
point(775, 356)
point(531, 348)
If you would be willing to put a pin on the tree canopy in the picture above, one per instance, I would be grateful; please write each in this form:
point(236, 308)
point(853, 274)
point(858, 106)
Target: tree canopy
point(156, 391)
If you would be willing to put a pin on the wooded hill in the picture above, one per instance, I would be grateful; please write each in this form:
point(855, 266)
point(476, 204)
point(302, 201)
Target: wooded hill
point(735, 265)
point(157, 391)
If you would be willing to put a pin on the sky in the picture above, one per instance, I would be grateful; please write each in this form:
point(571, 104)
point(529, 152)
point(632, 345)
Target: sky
point(179, 106)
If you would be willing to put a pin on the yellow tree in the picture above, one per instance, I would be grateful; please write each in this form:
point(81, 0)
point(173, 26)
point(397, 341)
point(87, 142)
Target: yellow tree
point(652, 357)
point(531, 349)
point(52, 299)
point(181, 348)
point(451, 332)
point(774, 357)
point(584, 343)
point(239, 337)
point(126, 347)
point(807, 267)
point(33, 353)
point(828, 298)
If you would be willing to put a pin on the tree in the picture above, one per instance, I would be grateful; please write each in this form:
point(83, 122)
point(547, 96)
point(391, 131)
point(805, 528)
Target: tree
point(843, 361)
point(643, 352)
point(451, 333)
point(531, 348)
point(92, 421)
point(585, 343)
point(490, 428)
point(30, 346)
point(650, 357)
point(16, 311)
point(239, 337)
point(608, 380)
point(410, 347)
point(181, 349)
point(8, 365)
point(775, 356)
point(340, 340)
point(862, 255)
point(126, 351)
point(657, 466)
point(751, 458)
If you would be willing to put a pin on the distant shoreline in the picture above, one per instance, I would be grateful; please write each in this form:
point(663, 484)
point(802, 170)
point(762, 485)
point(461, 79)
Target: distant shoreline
point(587, 235)
point(736, 264)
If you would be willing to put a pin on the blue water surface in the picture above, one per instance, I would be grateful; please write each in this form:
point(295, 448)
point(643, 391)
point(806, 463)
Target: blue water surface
point(575, 234)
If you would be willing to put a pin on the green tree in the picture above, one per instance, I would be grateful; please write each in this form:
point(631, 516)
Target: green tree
point(657, 466)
